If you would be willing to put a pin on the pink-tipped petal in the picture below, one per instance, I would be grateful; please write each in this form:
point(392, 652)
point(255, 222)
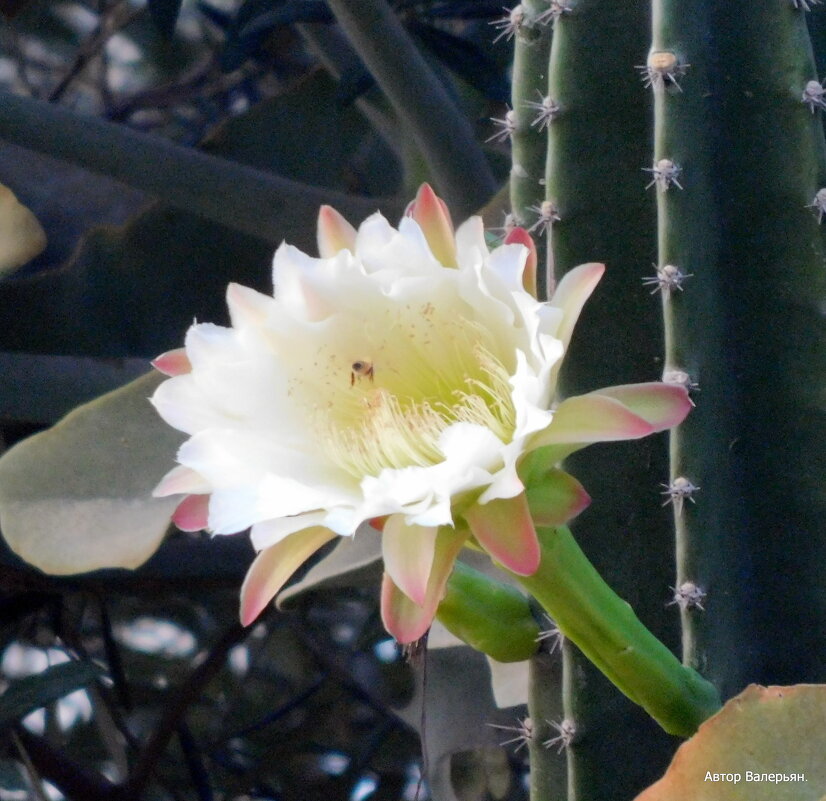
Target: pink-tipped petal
point(246, 306)
point(571, 293)
point(555, 498)
point(273, 567)
point(408, 556)
point(408, 621)
point(521, 237)
point(504, 528)
point(192, 513)
point(433, 217)
point(334, 233)
point(585, 419)
point(661, 405)
point(173, 362)
point(181, 480)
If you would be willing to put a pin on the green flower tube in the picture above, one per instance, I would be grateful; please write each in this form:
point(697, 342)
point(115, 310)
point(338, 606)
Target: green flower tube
point(488, 615)
point(605, 628)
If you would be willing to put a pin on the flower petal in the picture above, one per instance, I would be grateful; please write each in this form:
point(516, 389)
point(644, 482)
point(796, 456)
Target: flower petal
point(433, 217)
point(181, 480)
point(519, 236)
point(408, 621)
point(662, 405)
point(408, 555)
point(247, 307)
point(192, 513)
point(273, 567)
point(334, 233)
point(173, 362)
point(505, 530)
point(571, 293)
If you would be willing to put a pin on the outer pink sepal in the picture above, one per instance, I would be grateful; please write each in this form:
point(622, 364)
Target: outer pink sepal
point(408, 556)
point(584, 419)
point(662, 405)
point(273, 567)
point(504, 528)
point(406, 620)
point(432, 214)
point(192, 513)
point(520, 236)
point(334, 233)
point(173, 362)
point(555, 498)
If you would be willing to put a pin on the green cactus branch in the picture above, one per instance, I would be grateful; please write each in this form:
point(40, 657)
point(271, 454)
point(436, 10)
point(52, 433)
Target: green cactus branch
point(771, 166)
point(688, 275)
point(606, 630)
point(532, 110)
point(459, 168)
point(240, 197)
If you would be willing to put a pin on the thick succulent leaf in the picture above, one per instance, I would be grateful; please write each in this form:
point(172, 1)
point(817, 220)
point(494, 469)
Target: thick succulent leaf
point(33, 692)
point(78, 496)
point(765, 730)
point(21, 235)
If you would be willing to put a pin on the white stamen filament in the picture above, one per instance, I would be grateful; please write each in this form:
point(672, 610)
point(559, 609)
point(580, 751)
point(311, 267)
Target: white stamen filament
point(396, 431)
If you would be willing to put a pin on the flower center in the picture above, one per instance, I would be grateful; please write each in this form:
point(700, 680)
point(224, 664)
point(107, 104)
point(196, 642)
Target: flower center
point(399, 404)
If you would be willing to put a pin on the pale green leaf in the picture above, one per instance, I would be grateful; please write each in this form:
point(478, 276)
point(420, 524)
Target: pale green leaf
point(78, 496)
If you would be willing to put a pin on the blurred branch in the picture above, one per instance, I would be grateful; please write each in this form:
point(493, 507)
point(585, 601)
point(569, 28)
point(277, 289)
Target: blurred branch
point(112, 20)
point(331, 48)
point(35, 781)
point(172, 718)
point(240, 197)
point(73, 780)
point(460, 170)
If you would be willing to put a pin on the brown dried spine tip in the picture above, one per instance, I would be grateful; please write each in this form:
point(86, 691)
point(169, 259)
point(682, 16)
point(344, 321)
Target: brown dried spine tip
point(662, 70)
point(813, 96)
point(679, 491)
point(566, 732)
point(819, 204)
point(506, 125)
point(688, 596)
point(510, 24)
point(547, 216)
point(665, 173)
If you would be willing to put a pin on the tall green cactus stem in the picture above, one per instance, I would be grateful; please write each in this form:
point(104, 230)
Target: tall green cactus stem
point(710, 552)
point(605, 628)
point(421, 102)
point(771, 164)
point(596, 150)
point(548, 770)
point(532, 42)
